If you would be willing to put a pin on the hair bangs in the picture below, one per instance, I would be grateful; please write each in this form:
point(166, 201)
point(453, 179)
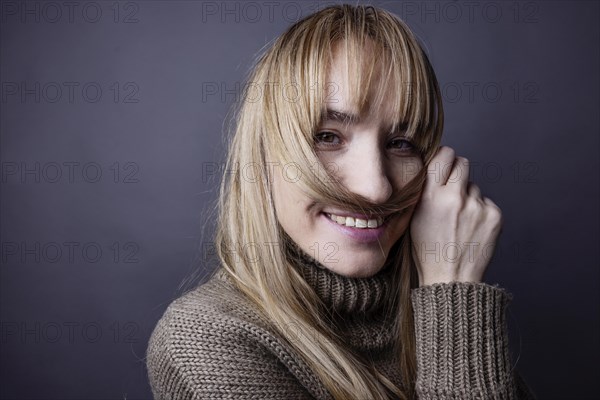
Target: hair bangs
point(384, 66)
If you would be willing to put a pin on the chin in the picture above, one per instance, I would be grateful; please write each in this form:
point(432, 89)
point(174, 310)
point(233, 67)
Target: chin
point(354, 266)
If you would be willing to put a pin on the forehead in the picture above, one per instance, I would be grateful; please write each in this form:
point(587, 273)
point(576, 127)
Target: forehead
point(347, 78)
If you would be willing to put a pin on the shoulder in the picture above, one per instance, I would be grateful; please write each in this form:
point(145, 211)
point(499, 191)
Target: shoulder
point(211, 343)
point(213, 312)
point(217, 301)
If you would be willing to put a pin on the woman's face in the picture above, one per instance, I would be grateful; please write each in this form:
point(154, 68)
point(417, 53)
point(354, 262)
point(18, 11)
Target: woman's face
point(367, 160)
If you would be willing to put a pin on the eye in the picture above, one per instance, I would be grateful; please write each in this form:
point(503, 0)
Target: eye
point(327, 138)
point(402, 145)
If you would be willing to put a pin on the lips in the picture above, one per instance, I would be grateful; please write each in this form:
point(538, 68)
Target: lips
point(359, 234)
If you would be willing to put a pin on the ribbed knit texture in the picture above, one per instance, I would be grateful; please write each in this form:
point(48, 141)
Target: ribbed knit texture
point(212, 344)
point(462, 343)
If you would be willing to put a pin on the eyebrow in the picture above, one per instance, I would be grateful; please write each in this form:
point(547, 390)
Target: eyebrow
point(340, 116)
point(344, 117)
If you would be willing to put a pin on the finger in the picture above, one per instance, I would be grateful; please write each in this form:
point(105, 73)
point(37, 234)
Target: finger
point(459, 177)
point(493, 210)
point(474, 191)
point(489, 202)
point(439, 168)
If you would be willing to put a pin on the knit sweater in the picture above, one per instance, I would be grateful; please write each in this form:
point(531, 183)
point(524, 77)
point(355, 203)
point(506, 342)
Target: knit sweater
point(212, 343)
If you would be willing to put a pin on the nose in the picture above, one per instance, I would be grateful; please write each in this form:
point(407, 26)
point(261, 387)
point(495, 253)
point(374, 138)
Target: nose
point(367, 174)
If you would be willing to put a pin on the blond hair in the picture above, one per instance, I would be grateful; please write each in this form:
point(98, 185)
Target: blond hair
point(277, 117)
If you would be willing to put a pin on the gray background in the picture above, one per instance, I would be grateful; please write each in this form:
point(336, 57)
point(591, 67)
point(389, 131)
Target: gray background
point(103, 188)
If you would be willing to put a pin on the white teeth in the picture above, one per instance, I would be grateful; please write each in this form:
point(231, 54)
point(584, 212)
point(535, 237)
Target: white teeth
point(360, 223)
point(357, 222)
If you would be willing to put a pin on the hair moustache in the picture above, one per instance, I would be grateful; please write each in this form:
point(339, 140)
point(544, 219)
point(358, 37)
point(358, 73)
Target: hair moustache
point(323, 188)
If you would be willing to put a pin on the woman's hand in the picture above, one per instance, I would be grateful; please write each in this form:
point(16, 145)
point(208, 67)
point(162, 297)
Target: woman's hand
point(453, 229)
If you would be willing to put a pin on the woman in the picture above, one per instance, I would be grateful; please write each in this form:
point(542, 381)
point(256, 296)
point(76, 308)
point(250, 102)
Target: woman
point(343, 275)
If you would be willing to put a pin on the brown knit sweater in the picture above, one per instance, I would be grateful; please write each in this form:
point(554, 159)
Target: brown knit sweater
point(212, 344)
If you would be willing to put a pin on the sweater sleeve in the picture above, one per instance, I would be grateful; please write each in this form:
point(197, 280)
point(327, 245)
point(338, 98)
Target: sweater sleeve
point(462, 343)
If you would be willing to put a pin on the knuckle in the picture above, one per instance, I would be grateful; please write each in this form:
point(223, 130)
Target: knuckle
point(494, 214)
point(462, 166)
point(472, 205)
point(448, 151)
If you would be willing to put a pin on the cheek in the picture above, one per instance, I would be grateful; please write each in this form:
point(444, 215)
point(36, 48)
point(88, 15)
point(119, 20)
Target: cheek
point(281, 198)
point(290, 203)
point(404, 170)
point(329, 162)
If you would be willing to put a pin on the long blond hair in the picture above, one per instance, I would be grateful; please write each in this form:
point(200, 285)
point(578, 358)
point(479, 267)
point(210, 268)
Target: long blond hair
point(276, 120)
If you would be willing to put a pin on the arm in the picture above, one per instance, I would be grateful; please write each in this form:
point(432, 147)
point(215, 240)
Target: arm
point(462, 343)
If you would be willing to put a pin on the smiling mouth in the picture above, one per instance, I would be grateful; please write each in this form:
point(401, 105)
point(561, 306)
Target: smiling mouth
point(355, 222)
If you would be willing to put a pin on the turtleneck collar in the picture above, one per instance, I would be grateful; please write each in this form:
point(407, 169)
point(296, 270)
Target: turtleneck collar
point(341, 294)
point(356, 304)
